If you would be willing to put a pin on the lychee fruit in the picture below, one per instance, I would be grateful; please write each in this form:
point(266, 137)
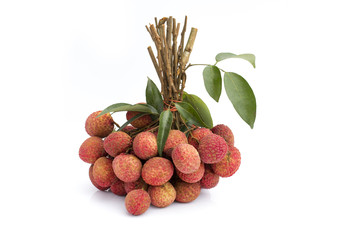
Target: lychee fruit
point(212, 148)
point(117, 187)
point(187, 192)
point(225, 132)
point(128, 129)
point(196, 135)
point(229, 164)
point(137, 201)
point(186, 158)
point(162, 196)
point(127, 167)
point(101, 126)
point(192, 177)
point(90, 174)
point(141, 121)
point(103, 173)
point(157, 171)
point(145, 145)
point(139, 184)
point(116, 143)
point(91, 149)
point(209, 179)
point(175, 137)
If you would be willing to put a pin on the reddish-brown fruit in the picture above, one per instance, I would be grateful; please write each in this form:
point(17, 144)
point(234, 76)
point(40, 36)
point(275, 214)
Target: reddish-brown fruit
point(91, 149)
point(192, 177)
point(209, 179)
point(101, 126)
point(90, 174)
point(212, 148)
point(186, 158)
point(139, 184)
point(196, 136)
point(117, 187)
point(175, 137)
point(127, 167)
point(162, 196)
point(137, 202)
point(157, 171)
point(128, 128)
point(145, 145)
point(229, 164)
point(141, 121)
point(103, 173)
point(187, 192)
point(225, 132)
point(116, 143)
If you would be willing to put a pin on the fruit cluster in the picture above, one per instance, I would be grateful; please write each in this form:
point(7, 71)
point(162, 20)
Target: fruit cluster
point(128, 164)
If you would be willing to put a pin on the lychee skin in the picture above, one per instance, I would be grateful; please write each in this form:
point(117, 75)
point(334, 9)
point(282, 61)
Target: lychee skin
point(187, 192)
point(192, 177)
point(90, 174)
point(137, 201)
point(139, 184)
point(128, 128)
point(175, 137)
point(210, 179)
point(145, 145)
point(141, 121)
point(117, 187)
point(196, 136)
point(101, 126)
point(92, 149)
point(157, 171)
point(229, 164)
point(116, 143)
point(162, 196)
point(103, 173)
point(186, 158)
point(212, 148)
point(225, 132)
point(127, 167)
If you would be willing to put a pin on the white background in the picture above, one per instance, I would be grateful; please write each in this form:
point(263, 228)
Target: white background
point(62, 60)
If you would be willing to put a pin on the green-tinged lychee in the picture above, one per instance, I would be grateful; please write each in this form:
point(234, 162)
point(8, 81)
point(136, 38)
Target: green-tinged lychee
point(186, 158)
point(192, 177)
point(162, 196)
point(137, 201)
point(212, 148)
point(209, 179)
point(91, 149)
point(225, 132)
point(145, 145)
point(127, 167)
point(90, 174)
point(103, 173)
point(175, 137)
point(187, 192)
point(139, 184)
point(157, 171)
point(229, 164)
point(116, 143)
point(101, 126)
point(196, 135)
point(117, 187)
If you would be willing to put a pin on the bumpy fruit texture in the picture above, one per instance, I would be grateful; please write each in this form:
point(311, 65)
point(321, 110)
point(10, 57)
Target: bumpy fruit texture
point(212, 148)
point(157, 171)
point(90, 174)
point(175, 137)
point(91, 149)
point(128, 128)
point(187, 192)
point(141, 121)
point(162, 196)
point(116, 143)
point(137, 201)
point(103, 173)
point(101, 126)
point(225, 132)
point(192, 177)
point(229, 164)
point(210, 179)
point(127, 167)
point(145, 145)
point(117, 187)
point(139, 184)
point(186, 158)
point(196, 136)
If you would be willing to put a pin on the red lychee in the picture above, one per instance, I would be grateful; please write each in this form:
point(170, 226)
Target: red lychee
point(101, 126)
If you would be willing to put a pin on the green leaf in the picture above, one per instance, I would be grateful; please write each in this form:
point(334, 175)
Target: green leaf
point(242, 97)
point(212, 81)
point(247, 56)
point(119, 107)
point(190, 114)
point(200, 107)
point(131, 120)
point(165, 123)
point(113, 108)
point(153, 96)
